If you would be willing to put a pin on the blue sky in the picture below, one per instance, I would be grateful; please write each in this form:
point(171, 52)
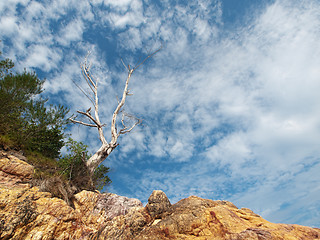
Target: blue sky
point(230, 106)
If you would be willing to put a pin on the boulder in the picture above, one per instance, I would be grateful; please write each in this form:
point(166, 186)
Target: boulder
point(115, 205)
point(201, 219)
point(158, 204)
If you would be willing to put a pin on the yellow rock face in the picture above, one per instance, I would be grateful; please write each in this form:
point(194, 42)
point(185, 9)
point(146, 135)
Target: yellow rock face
point(27, 213)
point(13, 171)
point(31, 214)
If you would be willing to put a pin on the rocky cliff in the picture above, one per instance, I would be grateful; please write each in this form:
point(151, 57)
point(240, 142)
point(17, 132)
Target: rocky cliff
point(28, 213)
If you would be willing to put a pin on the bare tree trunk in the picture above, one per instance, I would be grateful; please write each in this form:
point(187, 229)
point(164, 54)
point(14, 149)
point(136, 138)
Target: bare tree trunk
point(96, 159)
point(94, 121)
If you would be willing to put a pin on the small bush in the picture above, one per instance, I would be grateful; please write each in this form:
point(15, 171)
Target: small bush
point(59, 188)
point(75, 169)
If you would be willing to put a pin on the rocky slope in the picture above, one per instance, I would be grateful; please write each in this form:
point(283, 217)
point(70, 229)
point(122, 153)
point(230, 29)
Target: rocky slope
point(28, 213)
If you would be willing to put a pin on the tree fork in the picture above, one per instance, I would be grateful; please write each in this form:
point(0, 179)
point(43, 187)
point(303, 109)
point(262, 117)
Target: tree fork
point(94, 121)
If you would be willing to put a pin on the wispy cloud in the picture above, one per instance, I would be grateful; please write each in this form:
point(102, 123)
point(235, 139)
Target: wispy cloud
point(247, 103)
point(228, 113)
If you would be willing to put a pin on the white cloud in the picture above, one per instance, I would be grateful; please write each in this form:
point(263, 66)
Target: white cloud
point(157, 143)
point(202, 29)
point(121, 21)
point(233, 150)
point(277, 198)
point(253, 100)
point(35, 10)
point(8, 24)
point(72, 32)
point(43, 57)
point(121, 4)
point(11, 5)
point(132, 39)
point(62, 80)
point(237, 115)
point(125, 13)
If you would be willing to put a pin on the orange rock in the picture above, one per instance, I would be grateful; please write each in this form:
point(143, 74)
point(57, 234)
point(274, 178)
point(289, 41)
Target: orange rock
point(13, 171)
point(28, 213)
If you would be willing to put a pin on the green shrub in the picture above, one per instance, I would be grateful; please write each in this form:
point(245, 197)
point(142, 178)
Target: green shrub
point(27, 123)
point(75, 169)
point(24, 117)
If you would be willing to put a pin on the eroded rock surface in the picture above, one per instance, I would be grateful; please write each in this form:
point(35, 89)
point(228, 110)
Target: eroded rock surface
point(13, 171)
point(202, 219)
point(158, 204)
point(28, 213)
point(115, 205)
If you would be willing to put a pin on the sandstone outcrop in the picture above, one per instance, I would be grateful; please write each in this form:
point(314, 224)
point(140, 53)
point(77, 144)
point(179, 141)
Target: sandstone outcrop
point(158, 204)
point(28, 213)
point(200, 219)
point(14, 171)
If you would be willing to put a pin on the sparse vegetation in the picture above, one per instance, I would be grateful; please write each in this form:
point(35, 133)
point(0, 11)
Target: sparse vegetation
point(76, 171)
point(29, 125)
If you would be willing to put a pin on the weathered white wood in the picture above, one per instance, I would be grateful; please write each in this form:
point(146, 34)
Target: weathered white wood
point(94, 121)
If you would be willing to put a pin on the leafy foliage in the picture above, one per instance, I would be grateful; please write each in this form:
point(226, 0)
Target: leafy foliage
point(75, 169)
point(100, 177)
point(45, 129)
point(5, 66)
point(16, 92)
point(24, 118)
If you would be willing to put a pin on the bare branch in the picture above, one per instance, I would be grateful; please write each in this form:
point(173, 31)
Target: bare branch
point(124, 65)
point(89, 77)
point(125, 130)
point(87, 114)
point(149, 56)
point(107, 147)
point(118, 108)
point(91, 100)
point(125, 93)
point(82, 123)
point(128, 93)
point(85, 75)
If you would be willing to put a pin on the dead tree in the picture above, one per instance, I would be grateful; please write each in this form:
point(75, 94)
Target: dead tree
point(94, 121)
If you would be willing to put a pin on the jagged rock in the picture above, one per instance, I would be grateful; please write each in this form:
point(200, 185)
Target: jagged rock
point(13, 171)
point(115, 205)
point(28, 213)
point(202, 219)
point(158, 204)
point(126, 226)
